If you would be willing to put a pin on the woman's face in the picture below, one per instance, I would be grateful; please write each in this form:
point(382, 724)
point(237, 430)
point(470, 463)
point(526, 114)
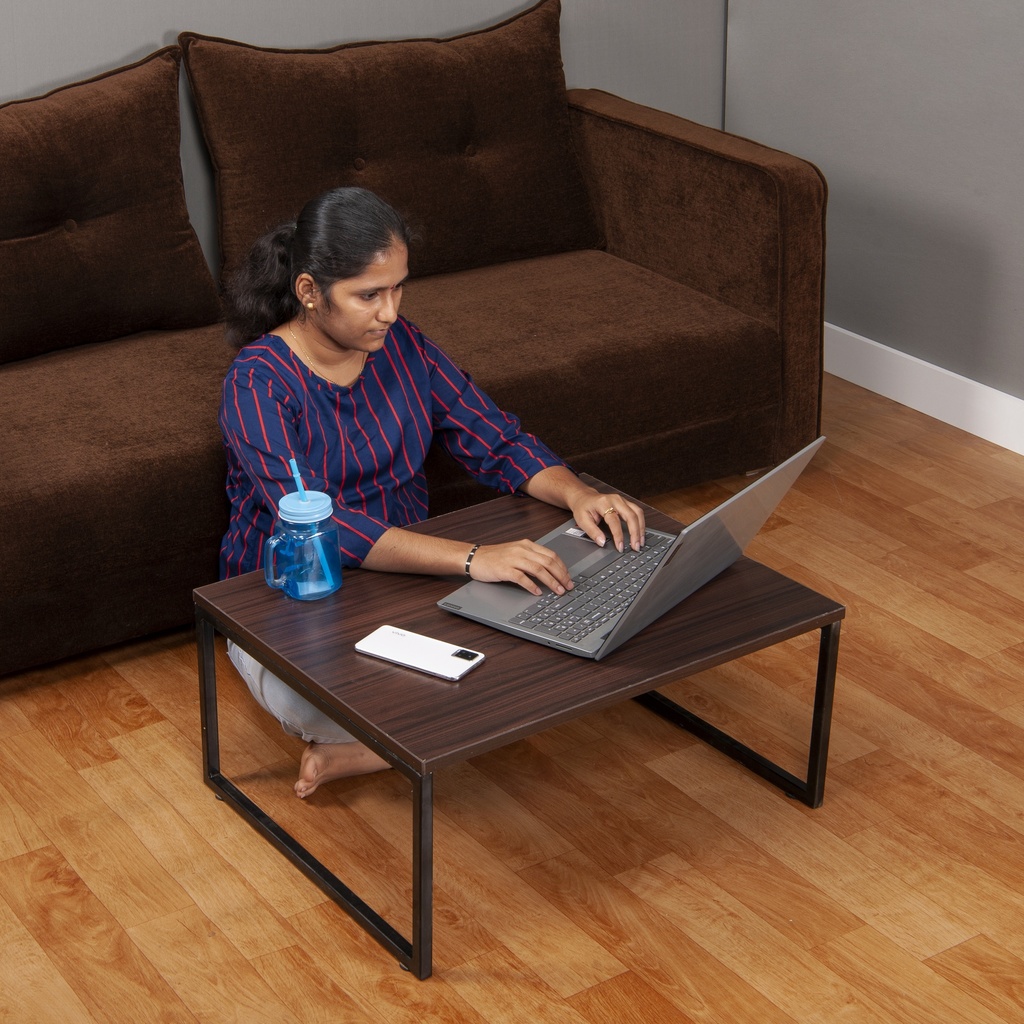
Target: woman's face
point(363, 308)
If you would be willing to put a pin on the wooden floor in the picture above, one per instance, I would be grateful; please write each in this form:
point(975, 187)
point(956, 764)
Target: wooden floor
point(612, 871)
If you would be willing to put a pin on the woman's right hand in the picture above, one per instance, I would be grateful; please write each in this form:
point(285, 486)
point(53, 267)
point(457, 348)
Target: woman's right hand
point(529, 565)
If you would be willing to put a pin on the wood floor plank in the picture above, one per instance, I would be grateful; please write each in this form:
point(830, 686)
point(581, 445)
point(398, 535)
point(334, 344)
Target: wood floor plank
point(154, 668)
point(905, 645)
point(968, 893)
point(375, 982)
point(171, 764)
point(18, 831)
point(791, 978)
point(220, 892)
point(991, 975)
point(1004, 574)
point(847, 509)
point(656, 947)
point(107, 701)
point(847, 482)
point(947, 449)
point(937, 707)
point(961, 590)
point(340, 828)
point(745, 870)
point(503, 990)
point(774, 720)
point(634, 729)
point(32, 989)
point(833, 516)
point(902, 985)
point(946, 476)
point(993, 533)
point(91, 950)
point(12, 718)
point(564, 804)
point(965, 830)
point(309, 992)
point(340, 838)
point(971, 633)
point(627, 1000)
point(854, 416)
point(209, 974)
point(973, 778)
point(485, 811)
point(866, 888)
point(249, 737)
point(562, 955)
point(54, 715)
point(97, 844)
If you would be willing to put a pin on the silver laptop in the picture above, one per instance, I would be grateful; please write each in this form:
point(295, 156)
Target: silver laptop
point(616, 595)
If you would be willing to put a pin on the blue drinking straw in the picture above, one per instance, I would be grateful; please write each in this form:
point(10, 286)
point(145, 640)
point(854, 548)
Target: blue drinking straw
point(316, 540)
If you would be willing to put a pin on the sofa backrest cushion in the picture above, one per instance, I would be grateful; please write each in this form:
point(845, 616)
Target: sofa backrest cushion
point(468, 137)
point(95, 238)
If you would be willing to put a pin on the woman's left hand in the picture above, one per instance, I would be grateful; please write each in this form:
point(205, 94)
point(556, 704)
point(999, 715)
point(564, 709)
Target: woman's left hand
point(595, 512)
point(602, 515)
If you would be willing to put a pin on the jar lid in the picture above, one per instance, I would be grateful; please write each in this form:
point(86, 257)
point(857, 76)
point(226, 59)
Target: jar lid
point(308, 508)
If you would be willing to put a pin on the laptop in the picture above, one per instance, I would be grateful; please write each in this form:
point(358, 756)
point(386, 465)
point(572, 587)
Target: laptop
point(616, 595)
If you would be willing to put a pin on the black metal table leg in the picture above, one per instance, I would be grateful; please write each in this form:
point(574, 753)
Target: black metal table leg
point(422, 875)
point(821, 723)
point(208, 697)
point(416, 955)
point(809, 790)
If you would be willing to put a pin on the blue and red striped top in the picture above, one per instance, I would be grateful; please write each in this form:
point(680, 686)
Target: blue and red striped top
point(364, 445)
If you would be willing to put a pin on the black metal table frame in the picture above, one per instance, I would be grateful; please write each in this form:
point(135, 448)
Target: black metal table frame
point(415, 954)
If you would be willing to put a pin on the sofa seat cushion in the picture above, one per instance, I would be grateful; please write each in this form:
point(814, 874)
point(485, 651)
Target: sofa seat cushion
point(468, 137)
point(113, 487)
point(95, 237)
point(612, 365)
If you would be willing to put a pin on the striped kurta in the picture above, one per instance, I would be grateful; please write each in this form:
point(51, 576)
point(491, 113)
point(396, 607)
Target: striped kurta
point(364, 445)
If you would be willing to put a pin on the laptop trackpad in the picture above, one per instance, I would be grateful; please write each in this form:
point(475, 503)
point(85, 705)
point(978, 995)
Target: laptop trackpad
point(581, 555)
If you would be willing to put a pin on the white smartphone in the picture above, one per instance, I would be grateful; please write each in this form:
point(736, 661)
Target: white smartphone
point(424, 653)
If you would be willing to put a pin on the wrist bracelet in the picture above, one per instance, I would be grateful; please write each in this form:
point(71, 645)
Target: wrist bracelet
point(469, 558)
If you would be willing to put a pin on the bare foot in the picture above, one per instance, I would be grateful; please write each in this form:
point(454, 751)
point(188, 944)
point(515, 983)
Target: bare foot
point(324, 762)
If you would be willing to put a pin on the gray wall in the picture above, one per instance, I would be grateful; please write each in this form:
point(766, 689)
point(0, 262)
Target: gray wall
point(665, 53)
point(914, 110)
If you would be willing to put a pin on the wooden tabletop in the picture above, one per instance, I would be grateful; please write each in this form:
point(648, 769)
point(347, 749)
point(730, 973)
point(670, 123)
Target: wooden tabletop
point(522, 687)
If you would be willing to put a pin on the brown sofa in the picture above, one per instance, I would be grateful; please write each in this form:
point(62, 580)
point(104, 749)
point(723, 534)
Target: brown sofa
point(644, 292)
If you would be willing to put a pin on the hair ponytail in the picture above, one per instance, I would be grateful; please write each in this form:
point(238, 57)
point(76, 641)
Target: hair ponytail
point(336, 236)
point(259, 294)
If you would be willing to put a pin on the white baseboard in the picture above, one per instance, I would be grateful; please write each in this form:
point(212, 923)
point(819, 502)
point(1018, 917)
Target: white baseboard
point(959, 401)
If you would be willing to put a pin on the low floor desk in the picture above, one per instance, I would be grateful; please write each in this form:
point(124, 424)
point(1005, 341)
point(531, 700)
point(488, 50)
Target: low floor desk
point(420, 724)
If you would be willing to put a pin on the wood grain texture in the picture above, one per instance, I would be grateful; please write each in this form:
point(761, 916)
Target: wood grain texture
point(610, 870)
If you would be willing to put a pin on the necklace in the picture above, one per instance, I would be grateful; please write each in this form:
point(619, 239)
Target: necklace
point(318, 369)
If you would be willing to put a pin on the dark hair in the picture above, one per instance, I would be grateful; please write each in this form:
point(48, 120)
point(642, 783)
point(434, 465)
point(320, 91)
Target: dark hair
point(336, 236)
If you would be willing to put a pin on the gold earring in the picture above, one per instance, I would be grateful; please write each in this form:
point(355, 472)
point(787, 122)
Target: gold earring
point(310, 305)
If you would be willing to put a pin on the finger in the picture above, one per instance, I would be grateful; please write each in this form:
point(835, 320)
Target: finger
point(631, 521)
point(633, 518)
point(526, 582)
point(531, 566)
point(551, 571)
point(612, 519)
point(536, 578)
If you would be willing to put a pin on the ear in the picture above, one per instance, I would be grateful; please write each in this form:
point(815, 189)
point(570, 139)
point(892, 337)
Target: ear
point(306, 290)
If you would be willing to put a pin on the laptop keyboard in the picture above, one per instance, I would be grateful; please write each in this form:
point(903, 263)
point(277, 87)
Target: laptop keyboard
point(595, 598)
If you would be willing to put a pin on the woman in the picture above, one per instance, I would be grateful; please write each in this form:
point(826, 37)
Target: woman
point(330, 375)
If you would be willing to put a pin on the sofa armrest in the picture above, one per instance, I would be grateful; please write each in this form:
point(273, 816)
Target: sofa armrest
point(738, 221)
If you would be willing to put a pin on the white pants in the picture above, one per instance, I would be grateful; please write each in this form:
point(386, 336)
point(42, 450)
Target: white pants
point(297, 716)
